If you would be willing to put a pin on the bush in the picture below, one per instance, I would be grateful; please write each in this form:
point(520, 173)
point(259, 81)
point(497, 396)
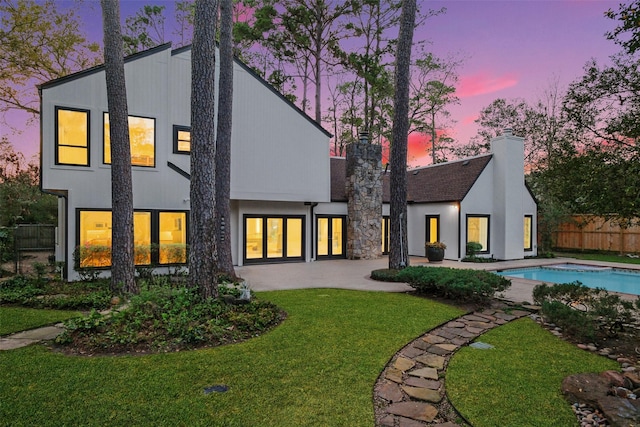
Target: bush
point(385, 275)
point(162, 318)
point(35, 293)
point(473, 248)
point(585, 309)
point(458, 284)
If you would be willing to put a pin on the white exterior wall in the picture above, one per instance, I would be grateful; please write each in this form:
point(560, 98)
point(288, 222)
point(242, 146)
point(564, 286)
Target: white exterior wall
point(277, 153)
point(479, 201)
point(417, 232)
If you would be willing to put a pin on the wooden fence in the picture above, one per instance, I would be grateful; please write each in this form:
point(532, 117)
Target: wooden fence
point(588, 232)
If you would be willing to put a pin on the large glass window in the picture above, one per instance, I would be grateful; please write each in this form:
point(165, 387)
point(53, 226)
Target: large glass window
point(181, 139)
point(173, 237)
point(273, 238)
point(528, 232)
point(170, 235)
point(478, 230)
point(330, 240)
point(72, 137)
point(142, 138)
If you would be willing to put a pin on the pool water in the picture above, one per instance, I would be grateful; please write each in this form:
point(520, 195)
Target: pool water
point(615, 280)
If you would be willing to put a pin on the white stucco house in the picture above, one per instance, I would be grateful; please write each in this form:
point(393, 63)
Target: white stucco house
point(287, 198)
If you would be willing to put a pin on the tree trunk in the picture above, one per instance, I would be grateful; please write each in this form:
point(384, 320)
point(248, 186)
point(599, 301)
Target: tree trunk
point(223, 143)
point(398, 248)
point(202, 253)
point(122, 259)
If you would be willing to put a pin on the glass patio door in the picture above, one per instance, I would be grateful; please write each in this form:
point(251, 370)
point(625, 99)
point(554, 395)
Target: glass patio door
point(331, 232)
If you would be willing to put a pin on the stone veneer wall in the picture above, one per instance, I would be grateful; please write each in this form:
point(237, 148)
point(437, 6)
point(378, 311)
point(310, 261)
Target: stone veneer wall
point(364, 206)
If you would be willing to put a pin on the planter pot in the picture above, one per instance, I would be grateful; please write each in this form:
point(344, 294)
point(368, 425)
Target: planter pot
point(435, 254)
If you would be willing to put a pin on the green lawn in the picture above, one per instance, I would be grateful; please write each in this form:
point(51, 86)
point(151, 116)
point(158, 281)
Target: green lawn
point(518, 382)
point(599, 257)
point(316, 369)
point(14, 319)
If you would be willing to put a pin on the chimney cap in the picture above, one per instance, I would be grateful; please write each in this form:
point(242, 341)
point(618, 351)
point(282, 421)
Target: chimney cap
point(508, 131)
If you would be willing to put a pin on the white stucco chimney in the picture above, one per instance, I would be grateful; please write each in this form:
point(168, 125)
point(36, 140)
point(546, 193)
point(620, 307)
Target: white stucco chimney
point(508, 178)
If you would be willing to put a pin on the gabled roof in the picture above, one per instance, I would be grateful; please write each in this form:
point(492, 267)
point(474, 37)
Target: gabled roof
point(444, 182)
point(165, 46)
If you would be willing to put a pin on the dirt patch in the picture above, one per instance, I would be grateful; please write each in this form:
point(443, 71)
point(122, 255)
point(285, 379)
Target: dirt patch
point(26, 262)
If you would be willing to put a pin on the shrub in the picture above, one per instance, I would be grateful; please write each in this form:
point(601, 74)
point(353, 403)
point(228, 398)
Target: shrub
point(385, 275)
point(459, 284)
point(585, 309)
point(165, 318)
point(473, 248)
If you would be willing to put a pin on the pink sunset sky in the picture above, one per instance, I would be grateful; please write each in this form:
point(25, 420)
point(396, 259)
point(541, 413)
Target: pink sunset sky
point(512, 49)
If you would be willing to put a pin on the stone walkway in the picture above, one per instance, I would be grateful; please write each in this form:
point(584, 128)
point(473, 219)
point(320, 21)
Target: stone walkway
point(25, 338)
point(410, 392)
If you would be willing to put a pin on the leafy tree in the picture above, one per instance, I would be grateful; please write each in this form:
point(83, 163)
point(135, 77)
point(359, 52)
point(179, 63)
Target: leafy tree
point(398, 247)
point(145, 29)
point(38, 43)
point(20, 196)
point(122, 260)
point(223, 142)
point(605, 104)
point(432, 90)
point(629, 26)
point(202, 263)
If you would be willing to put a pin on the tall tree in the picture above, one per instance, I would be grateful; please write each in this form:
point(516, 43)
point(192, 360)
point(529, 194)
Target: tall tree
point(202, 253)
point(398, 247)
point(223, 141)
point(627, 33)
point(122, 259)
point(38, 43)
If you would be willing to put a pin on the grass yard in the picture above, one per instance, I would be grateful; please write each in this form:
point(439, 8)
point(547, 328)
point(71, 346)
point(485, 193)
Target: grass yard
point(599, 257)
point(518, 382)
point(14, 319)
point(316, 369)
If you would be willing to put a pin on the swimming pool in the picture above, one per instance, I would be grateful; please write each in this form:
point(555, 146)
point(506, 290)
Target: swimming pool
point(611, 279)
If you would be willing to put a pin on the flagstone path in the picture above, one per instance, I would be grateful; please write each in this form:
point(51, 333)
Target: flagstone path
point(410, 392)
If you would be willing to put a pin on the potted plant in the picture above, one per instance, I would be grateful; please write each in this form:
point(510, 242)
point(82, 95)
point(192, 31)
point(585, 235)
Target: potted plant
point(435, 251)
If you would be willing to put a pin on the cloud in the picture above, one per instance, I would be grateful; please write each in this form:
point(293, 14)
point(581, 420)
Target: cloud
point(482, 83)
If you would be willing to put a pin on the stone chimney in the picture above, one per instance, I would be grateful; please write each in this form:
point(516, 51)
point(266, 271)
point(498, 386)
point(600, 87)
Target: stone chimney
point(508, 197)
point(364, 195)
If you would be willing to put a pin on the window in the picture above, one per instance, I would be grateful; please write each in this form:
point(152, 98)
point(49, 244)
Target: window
point(173, 238)
point(166, 231)
point(432, 228)
point(528, 232)
point(72, 137)
point(181, 139)
point(142, 138)
point(331, 232)
point(385, 235)
point(478, 230)
point(273, 238)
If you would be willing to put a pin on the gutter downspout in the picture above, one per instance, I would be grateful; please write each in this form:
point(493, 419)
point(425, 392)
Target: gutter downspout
point(459, 231)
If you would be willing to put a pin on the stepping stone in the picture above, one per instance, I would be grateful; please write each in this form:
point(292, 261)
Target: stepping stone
point(433, 339)
point(429, 373)
point(447, 333)
point(388, 421)
point(489, 317)
point(435, 349)
point(460, 341)
point(403, 364)
point(446, 347)
point(422, 345)
point(476, 331)
point(394, 375)
point(408, 422)
point(414, 410)
point(505, 316)
point(423, 394)
point(474, 318)
point(431, 360)
point(390, 392)
point(412, 352)
point(422, 382)
point(520, 313)
point(479, 325)
point(455, 324)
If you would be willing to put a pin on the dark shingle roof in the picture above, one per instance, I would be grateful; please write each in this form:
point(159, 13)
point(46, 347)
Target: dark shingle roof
point(445, 182)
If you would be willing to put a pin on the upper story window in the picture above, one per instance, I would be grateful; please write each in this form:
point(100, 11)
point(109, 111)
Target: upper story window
point(72, 137)
point(142, 138)
point(181, 139)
